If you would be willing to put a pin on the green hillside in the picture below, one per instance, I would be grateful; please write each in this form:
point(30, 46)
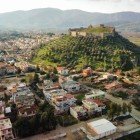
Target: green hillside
point(77, 52)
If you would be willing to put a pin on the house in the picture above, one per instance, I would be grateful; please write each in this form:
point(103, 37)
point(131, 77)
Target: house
point(50, 85)
point(113, 85)
point(25, 111)
point(109, 76)
point(101, 128)
point(11, 69)
point(62, 71)
point(25, 66)
point(51, 93)
point(87, 72)
point(71, 86)
point(95, 94)
point(2, 105)
point(3, 91)
point(62, 103)
point(24, 99)
point(79, 112)
point(93, 105)
point(2, 68)
point(5, 128)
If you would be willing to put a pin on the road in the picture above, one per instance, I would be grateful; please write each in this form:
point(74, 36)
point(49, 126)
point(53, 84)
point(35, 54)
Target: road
point(135, 114)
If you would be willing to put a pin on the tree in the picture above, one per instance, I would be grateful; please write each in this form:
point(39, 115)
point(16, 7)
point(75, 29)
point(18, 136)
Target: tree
point(29, 78)
point(47, 76)
point(112, 110)
point(22, 127)
point(14, 112)
point(55, 78)
point(37, 68)
point(48, 121)
point(124, 108)
point(18, 70)
point(119, 109)
point(129, 108)
point(36, 78)
point(36, 102)
point(6, 98)
point(23, 80)
point(55, 70)
point(35, 123)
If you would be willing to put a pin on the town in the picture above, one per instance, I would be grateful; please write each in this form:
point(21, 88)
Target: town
point(59, 102)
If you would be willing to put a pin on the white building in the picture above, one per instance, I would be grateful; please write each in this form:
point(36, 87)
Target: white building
point(101, 128)
point(63, 103)
point(95, 93)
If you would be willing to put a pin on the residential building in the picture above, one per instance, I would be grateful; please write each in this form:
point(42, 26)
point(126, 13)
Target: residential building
point(50, 85)
point(3, 91)
point(5, 128)
point(27, 110)
point(79, 112)
point(109, 76)
point(11, 70)
point(2, 105)
point(95, 94)
point(24, 66)
point(87, 72)
point(2, 68)
point(71, 86)
point(49, 94)
point(63, 71)
point(63, 103)
point(93, 105)
point(113, 85)
point(24, 99)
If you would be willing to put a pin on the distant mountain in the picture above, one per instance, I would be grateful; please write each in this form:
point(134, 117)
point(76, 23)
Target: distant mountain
point(56, 19)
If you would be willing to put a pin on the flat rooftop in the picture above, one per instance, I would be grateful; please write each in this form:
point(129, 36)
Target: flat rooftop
point(101, 126)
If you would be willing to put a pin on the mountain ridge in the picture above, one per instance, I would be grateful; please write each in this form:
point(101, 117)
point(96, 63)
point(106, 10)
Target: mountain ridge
point(52, 18)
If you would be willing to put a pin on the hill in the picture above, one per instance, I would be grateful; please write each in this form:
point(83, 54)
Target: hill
point(57, 20)
point(111, 52)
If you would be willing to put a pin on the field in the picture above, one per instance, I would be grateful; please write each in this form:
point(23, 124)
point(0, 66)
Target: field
point(132, 37)
point(135, 40)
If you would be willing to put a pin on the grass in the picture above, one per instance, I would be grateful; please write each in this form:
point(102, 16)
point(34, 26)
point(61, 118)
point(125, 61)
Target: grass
point(43, 62)
point(97, 30)
point(80, 96)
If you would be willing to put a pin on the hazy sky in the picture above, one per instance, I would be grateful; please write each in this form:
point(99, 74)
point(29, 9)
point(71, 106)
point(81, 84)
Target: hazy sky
point(105, 6)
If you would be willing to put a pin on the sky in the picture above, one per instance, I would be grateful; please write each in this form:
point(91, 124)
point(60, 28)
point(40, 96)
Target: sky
point(103, 6)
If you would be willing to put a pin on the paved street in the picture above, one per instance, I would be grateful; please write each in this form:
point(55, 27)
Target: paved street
point(134, 113)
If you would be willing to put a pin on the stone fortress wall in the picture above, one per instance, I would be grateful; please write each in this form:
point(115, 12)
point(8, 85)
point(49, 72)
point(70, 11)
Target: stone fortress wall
point(80, 32)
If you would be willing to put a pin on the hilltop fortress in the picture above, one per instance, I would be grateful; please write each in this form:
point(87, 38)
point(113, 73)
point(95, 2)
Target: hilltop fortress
point(100, 31)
